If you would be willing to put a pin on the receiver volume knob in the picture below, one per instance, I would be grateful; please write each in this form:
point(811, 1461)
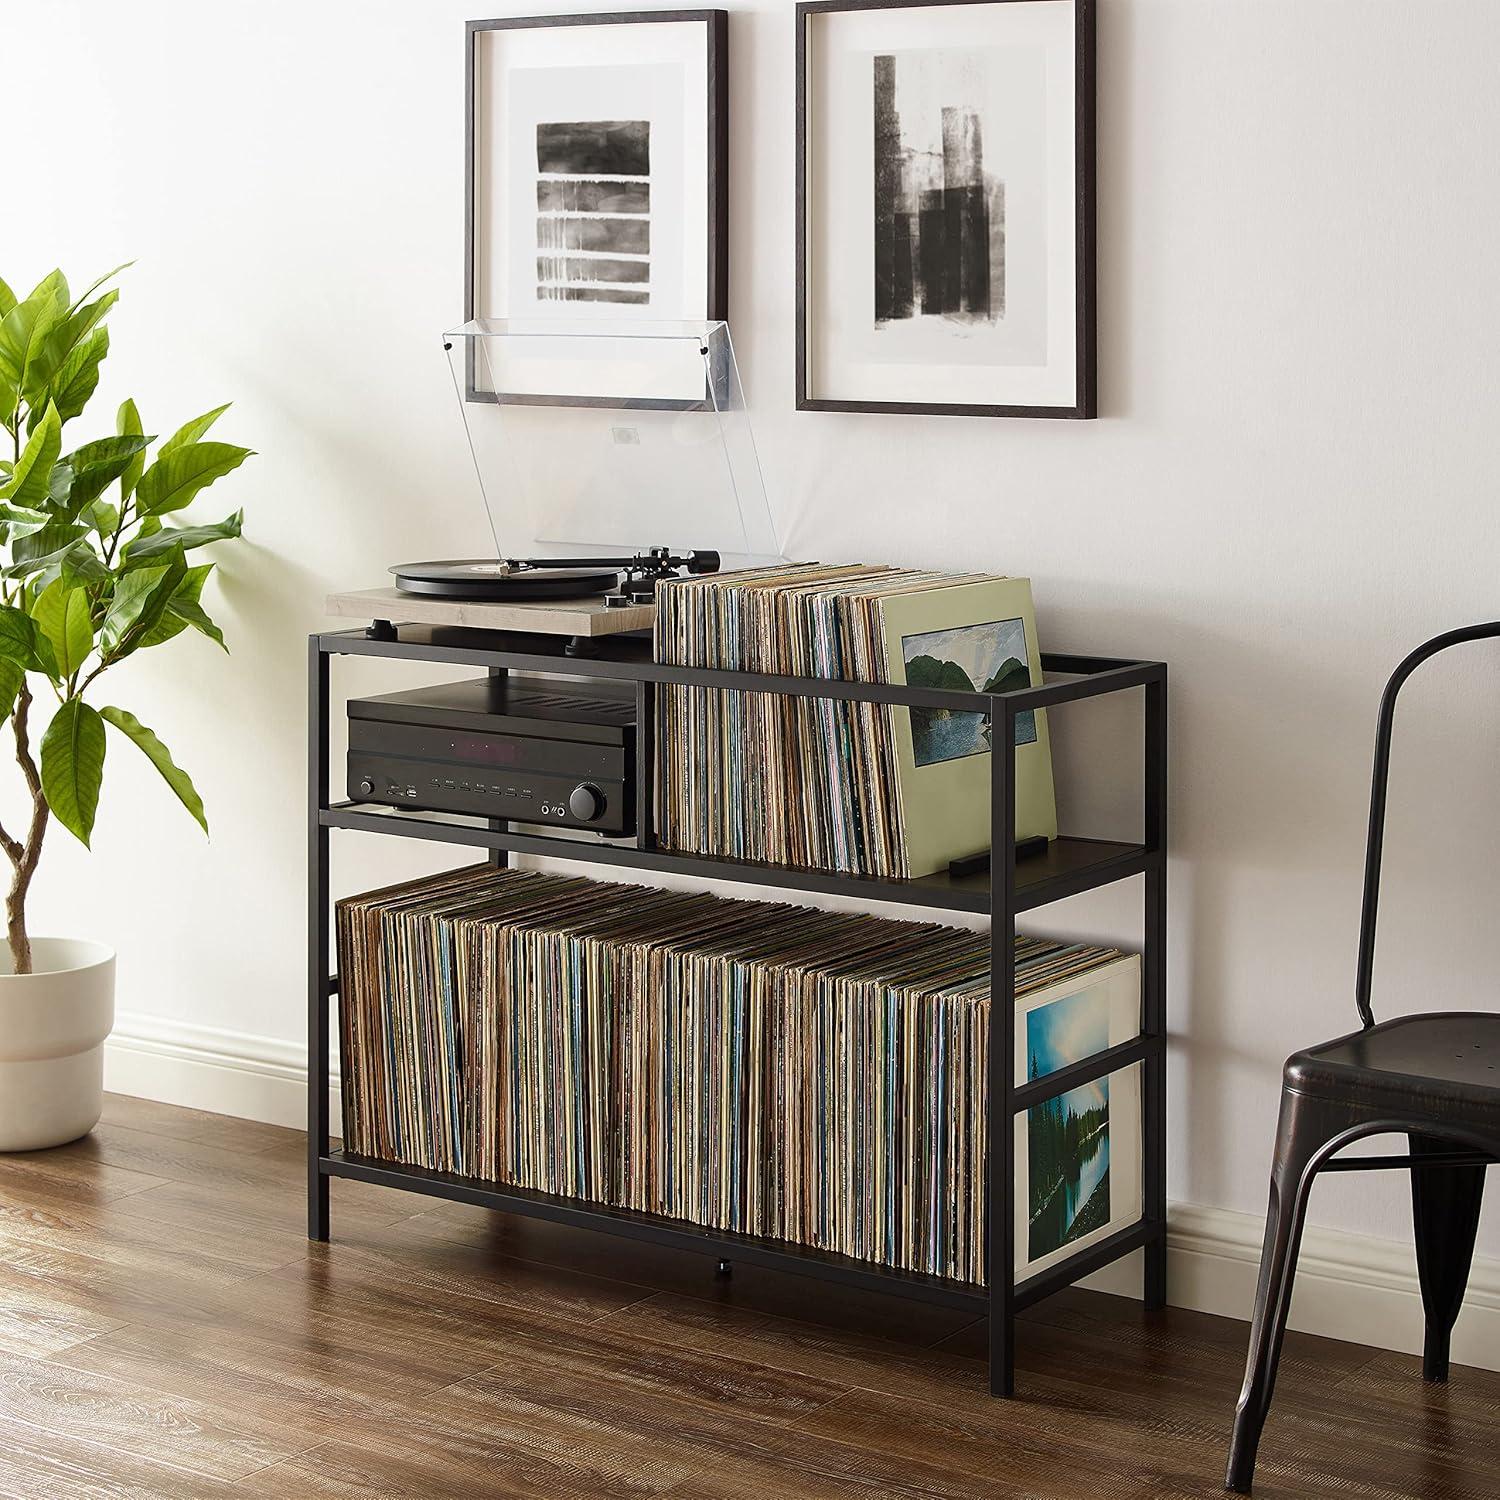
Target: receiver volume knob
point(586, 802)
point(366, 787)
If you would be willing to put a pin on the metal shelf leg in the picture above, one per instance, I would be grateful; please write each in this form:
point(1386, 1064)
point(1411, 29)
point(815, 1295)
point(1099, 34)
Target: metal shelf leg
point(318, 999)
point(1154, 989)
point(1000, 1154)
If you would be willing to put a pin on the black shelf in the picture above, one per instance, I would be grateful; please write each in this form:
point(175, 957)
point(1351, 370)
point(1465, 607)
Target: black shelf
point(676, 1234)
point(1068, 867)
point(725, 1244)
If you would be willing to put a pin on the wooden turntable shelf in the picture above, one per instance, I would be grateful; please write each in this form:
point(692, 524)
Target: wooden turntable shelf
point(577, 617)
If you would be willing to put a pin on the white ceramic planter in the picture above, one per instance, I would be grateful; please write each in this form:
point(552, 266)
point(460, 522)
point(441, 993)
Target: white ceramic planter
point(53, 1023)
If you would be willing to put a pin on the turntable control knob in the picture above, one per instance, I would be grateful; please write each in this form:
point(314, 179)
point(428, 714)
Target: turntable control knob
point(586, 802)
point(366, 787)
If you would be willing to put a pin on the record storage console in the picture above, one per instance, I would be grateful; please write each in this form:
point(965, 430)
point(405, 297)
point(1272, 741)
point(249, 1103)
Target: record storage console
point(1068, 867)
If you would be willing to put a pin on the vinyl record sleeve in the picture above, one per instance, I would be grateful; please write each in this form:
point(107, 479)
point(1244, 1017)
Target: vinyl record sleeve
point(817, 1077)
point(970, 635)
point(1099, 1190)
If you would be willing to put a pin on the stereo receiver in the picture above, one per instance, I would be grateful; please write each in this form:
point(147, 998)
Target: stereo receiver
point(522, 750)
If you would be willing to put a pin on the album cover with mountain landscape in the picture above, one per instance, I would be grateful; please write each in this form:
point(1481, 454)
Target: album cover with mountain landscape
point(968, 636)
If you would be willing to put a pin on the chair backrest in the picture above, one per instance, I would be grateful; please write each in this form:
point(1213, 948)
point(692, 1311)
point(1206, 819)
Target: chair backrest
point(1376, 837)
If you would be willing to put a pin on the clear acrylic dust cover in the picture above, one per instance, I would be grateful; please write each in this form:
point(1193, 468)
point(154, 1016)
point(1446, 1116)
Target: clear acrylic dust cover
point(602, 437)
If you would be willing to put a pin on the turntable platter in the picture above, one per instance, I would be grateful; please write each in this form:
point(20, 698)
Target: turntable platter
point(478, 578)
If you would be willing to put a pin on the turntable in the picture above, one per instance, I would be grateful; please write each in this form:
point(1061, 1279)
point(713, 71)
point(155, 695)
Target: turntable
point(606, 453)
point(622, 581)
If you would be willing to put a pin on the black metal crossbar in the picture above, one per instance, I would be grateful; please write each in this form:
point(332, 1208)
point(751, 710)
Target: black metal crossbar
point(1100, 1065)
point(1097, 675)
point(1406, 1162)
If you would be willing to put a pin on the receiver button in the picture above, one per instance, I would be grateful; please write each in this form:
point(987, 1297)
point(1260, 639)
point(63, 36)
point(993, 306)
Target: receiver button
point(586, 802)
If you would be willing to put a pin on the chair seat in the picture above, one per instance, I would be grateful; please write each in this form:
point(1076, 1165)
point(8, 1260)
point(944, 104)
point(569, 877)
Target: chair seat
point(1448, 1061)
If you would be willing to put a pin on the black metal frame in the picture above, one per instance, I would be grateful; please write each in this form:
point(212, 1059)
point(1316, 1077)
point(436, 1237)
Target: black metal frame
point(1086, 388)
point(1068, 867)
point(1380, 777)
point(717, 94)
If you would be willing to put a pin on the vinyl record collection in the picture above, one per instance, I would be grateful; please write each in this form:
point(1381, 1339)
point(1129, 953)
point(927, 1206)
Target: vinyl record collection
point(809, 1076)
point(837, 785)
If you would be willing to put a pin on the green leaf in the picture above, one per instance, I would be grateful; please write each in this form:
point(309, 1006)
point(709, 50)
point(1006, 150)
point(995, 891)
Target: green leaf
point(59, 483)
point(27, 485)
point(79, 376)
point(23, 644)
point(168, 627)
point(107, 276)
point(55, 285)
point(30, 554)
point(61, 613)
point(190, 432)
point(195, 615)
point(101, 516)
point(17, 637)
point(98, 464)
point(160, 757)
point(7, 298)
point(172, 481)
point(18, 520)
point(73, 766)
point(146, 548)
point(132, 598)
point(80, 564)
point(25, 328)
point(184, 603)
point(141, 597)
point(128, 424)
point(12, 675)
point(61, 341)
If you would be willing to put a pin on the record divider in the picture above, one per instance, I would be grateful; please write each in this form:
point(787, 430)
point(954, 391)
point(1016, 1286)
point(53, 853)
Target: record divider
point(1072, 866)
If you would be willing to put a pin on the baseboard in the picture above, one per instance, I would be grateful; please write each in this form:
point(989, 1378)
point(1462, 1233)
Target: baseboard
point(207, 1067)
point(1349, 1286)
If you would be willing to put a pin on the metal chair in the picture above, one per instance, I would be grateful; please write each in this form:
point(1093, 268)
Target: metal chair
point(1435, 1078)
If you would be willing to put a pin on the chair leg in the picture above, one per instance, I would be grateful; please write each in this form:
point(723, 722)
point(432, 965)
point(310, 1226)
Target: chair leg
point(1445, 1205)
point(1305, 1126)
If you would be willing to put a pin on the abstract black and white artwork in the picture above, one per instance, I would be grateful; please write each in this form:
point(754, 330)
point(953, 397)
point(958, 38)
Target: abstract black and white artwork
point(939, 215)
point(593, 211)
point(945, 207)
point(597, 181)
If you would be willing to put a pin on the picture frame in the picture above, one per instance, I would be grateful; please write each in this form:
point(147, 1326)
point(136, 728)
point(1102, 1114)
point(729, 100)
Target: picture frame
point(615, 206)
point(992, 313)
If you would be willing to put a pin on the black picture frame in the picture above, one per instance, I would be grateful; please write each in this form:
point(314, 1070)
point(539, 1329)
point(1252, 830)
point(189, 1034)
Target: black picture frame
point(1086, 388)
point(716, 85)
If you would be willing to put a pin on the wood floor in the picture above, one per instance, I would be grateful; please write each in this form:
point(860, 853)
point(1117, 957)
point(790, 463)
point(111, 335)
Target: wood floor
point(166, 1330)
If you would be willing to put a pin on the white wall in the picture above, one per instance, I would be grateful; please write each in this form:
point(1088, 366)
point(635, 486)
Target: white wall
point(1293, 480)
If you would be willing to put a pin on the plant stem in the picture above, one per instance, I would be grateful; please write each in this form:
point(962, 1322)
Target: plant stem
point(24, 858)
point(119, 531)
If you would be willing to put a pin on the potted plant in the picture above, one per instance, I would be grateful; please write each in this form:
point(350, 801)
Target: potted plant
point(94, 567)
